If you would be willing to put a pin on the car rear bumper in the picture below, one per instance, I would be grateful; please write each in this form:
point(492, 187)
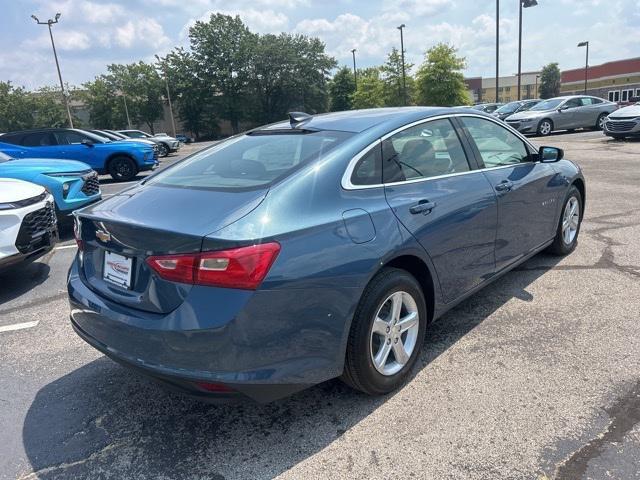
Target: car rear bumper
point(256, 343)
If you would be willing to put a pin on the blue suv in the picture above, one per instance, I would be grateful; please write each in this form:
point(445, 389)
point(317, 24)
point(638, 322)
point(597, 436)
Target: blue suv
point(121, 160)
point(72, 184)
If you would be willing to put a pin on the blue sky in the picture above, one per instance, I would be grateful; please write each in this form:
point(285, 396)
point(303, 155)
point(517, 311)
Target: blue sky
point(94, 33)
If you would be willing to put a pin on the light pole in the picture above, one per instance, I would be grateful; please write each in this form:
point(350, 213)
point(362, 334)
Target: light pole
point(536, 91)
point(166, 83)
point(497, 46)
point(65, 99)
point(126, 110)
point(404, 78)
point(586, 65)
point(522, 4)
point(355, 72)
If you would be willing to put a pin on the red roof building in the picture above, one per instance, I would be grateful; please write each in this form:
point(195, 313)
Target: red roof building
point(617, 81)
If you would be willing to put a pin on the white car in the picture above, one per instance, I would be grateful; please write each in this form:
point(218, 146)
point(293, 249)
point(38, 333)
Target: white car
point(28, 227)
point(624, 122)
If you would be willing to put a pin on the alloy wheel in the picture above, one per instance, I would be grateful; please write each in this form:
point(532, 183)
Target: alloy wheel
point(570, 220)
point(601, 122)
point(545, 128)
point(394, 333)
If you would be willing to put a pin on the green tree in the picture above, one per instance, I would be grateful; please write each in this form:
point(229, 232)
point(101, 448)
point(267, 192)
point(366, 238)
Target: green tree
point(289, 72)
point(341, 89)
point(192, 96)
point(49, 109)
point(392, 77)
point(550, 81)
point(439, 81)
point(222, 49)
point(370, 93)
point(105, 104)
point(16, 108)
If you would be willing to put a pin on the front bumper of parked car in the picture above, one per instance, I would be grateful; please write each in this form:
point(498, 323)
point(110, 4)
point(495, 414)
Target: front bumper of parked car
point(74, 192)
point(523, 125)
point(619, 127)
point(250, 346)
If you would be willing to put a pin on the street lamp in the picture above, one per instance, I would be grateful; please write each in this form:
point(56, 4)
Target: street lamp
point(404, 79)
point(166, 83)
point(355, 72)
point(497, 46)
point(65, 99)
point(522, 4)
point(536, 91)
point(586, 65)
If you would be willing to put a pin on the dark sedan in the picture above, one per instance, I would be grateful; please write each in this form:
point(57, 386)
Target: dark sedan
point(319, 247)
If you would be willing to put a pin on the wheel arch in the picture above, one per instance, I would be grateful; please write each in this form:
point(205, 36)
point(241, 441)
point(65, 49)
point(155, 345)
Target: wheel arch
point(419, 269)
point(579, 184)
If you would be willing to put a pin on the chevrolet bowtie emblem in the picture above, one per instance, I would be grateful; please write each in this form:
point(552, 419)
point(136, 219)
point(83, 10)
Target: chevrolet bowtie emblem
point(103, 236)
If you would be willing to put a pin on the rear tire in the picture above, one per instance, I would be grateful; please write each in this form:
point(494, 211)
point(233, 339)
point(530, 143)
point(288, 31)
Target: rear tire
point(600, 121)
point(379, 327)
point(545, 127)
point(122, 169)
point(566, 238)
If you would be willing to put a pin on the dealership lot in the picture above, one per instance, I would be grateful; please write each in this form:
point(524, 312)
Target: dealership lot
point(536, 376)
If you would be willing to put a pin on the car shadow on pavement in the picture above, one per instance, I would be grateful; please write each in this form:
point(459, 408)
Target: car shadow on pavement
point(105, 421)
point(21, 279)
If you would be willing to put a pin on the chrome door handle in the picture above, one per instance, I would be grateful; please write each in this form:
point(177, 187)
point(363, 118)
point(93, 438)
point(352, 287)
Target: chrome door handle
point(423, 206)
point(504, 186)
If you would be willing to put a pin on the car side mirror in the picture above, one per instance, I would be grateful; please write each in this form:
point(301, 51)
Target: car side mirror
point(86, 142)
point(550, 154)
point(563, 108)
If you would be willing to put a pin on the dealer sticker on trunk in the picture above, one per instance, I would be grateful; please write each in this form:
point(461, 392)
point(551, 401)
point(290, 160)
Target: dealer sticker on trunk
point(117, 269)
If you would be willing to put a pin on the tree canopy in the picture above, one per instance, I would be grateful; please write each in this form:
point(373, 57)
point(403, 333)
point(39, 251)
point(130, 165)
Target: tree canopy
point(439, 80)
point(550, 81)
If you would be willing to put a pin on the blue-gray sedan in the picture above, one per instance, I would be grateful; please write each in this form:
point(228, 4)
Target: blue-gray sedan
point(315, 248)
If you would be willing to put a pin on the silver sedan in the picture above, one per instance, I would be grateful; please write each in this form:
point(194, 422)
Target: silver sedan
point(563, 113)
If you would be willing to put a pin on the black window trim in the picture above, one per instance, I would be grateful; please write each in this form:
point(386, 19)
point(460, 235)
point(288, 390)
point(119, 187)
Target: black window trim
point(472, 156)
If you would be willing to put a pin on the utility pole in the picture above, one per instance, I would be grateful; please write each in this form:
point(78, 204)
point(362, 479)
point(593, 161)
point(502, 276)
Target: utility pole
point(522, 4)
point(65, 98)
point(355, 72)
point(497, 47)
point(126, 110)
point(586, 65)
point(404, 78)
point(166, 83)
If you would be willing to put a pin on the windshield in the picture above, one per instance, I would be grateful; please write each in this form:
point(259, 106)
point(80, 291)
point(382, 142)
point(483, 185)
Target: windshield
point(95, 138)
point(4, 157)
point(547, 104)
point(509, 107)
point(105, 134)
point(249, 161)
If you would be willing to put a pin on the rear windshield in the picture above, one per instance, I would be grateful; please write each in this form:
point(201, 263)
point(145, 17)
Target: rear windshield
point(250, 161)
point(548, 104)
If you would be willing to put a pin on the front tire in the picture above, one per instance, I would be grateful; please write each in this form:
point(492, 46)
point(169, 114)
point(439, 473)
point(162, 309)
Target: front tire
point(568, 229)
point(545, 127)
point(386, 334)
point(122, 169)
point(163, 150)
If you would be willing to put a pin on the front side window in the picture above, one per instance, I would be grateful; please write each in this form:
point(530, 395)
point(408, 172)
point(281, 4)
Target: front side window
point(427, 150)
point(497, 145)
point(573, 103)
point(250, 161)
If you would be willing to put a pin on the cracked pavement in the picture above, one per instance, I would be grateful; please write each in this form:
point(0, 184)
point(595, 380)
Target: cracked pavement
point(535, 377)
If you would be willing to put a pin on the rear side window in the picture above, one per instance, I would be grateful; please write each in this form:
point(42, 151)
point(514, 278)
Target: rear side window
point(38, 139)
point(250, 161)
point(368, 170)
point(427, 150)
point(69, 137)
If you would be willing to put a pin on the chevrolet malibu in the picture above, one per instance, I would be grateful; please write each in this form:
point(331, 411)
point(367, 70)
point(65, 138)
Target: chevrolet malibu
point(315, 248)
point(563, 113)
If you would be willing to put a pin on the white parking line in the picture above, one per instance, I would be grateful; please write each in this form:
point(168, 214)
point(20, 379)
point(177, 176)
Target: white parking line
point(62, 247)
point(18, 326)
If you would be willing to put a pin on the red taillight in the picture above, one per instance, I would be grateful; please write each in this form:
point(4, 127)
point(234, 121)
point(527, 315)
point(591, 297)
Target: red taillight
point(214, 387)
point(77, 233)
point(243, 267)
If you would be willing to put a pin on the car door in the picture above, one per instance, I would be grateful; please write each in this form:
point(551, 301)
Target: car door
point(448, 206)
point(527, 190)
point(71, 146)
point(568, 115)
point(589, 112)
point(44, 144)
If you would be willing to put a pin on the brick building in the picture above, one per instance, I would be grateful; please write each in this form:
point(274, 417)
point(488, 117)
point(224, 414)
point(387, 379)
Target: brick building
point(617, 81)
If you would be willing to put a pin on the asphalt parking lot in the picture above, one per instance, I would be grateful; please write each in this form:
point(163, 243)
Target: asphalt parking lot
point(537, 376)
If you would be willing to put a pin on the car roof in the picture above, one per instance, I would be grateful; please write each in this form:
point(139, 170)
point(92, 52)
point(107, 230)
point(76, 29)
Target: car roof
point(357, 121)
